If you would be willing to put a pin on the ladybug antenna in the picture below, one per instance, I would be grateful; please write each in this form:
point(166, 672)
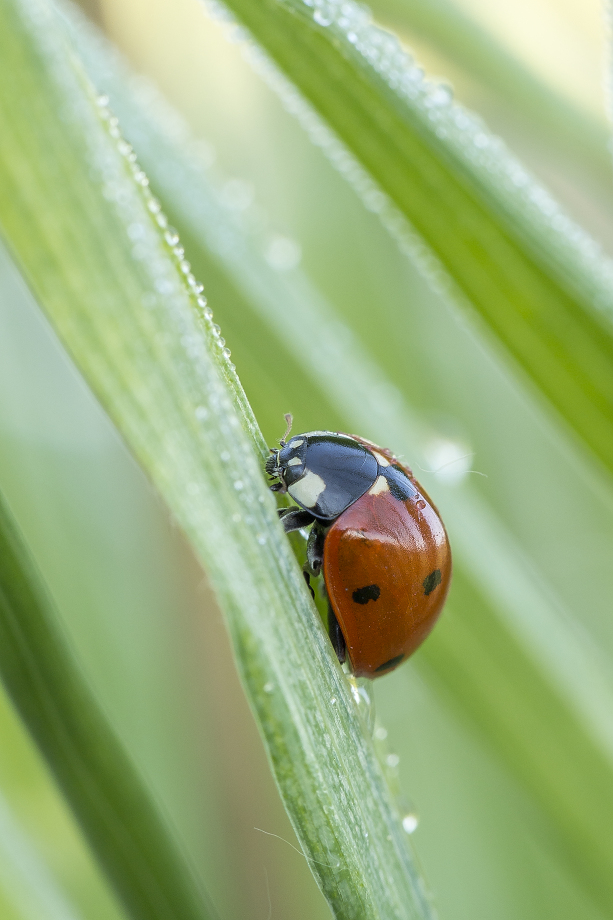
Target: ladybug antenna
point(289, 421)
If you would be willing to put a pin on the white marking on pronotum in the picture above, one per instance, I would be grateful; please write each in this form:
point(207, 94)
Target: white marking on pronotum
point(381, 485)
point(308, 489)
point(295, 461)
point(381, 460)
point(295, 444)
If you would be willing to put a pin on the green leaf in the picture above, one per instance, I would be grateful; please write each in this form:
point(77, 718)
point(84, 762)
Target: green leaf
point(537, 284)
point(102, 786)
point(534, 107)
point(95, 248)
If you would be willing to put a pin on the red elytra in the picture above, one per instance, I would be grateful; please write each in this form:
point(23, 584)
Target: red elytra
point(401, 549)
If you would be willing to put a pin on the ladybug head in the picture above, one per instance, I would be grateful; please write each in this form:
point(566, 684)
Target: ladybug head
point(272, 464)
point(287, 464)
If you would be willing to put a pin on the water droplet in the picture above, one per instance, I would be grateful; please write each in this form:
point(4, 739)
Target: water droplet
point(208, 313)
point(332, 701)
point(362, 696)
point(216, 328)
point(239, 485)
point(392, 761)
point(322, 17)
point(224, 456)
point(283, 253)
point(380, 733)
point(410, 822)
point(136, 231)
point(420, 504)
point(154, 205)
point(179, 252)
point(462, 119)
point(184, 266)
point(268, 687)
point(102, 101)
point(449, 460)
point(141, 178)
point(226, 352)
point(171, 236)
point(161, 220)
point(262, 539)
point(440, 95)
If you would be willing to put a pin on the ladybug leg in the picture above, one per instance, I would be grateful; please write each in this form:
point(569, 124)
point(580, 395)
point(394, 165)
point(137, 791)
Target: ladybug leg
point(314, 555)
point(336, 637)
point(314, 562)
point(315, 549)
point(295, 519)
point(307, 578)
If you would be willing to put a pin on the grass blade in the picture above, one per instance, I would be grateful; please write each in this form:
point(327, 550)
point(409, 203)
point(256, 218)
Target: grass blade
point(107, 796)
point(538, 109)
point(539, 285)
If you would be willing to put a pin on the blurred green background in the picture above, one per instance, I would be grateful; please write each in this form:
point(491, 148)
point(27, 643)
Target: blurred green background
point(137, 607)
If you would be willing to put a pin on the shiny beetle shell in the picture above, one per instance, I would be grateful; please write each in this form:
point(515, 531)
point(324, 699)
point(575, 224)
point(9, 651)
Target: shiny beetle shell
point(386, 559)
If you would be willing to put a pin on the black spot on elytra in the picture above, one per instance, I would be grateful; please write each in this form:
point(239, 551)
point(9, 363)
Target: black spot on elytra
point(388, 665)
point(432, 581)
point(369, 593)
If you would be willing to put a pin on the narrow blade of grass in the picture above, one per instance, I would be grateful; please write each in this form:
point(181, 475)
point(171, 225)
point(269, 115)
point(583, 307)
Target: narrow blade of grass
point(542, 112)
point(537, 283)
point(108, 797)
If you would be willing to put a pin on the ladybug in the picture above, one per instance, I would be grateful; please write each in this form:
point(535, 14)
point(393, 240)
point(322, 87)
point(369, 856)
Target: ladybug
point(378, 538)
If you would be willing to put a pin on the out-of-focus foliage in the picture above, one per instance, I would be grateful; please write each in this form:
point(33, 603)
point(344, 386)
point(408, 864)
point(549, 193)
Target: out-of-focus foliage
point(498, 796)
